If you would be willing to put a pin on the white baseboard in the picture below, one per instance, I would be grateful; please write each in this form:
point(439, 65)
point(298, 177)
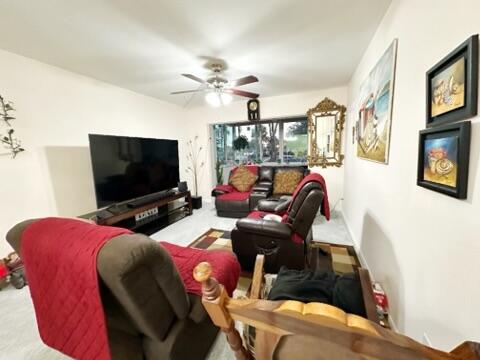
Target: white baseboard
point(364, 264)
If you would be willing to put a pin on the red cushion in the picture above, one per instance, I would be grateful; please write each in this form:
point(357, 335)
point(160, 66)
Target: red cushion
point(234, 196)
point(226, 268)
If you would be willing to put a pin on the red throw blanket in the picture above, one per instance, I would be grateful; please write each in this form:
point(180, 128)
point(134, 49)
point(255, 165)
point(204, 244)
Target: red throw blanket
point(226, 189)
point(225, 266)
point(325, 206)
point(60, 257)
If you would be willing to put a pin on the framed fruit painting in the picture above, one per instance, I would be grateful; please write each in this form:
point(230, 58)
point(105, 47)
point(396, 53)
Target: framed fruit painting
point(443, 157)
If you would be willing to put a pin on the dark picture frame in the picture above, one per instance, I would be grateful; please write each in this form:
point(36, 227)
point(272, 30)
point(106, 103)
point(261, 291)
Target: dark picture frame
point(445, 164)
point(468, 51)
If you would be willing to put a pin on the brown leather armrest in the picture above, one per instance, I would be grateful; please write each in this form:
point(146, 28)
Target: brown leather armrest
point(274, 205)
point(266, 188)
point(264, 227)
point(217, 192)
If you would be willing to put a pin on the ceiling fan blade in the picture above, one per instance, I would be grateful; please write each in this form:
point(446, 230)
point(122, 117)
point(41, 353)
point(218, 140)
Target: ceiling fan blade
point(243, 93)
point(185, 91)
point(194, 78)
point(244, 81)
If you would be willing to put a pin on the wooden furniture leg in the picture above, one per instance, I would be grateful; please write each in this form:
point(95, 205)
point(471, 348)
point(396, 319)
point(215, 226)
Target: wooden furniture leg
point(214, 299)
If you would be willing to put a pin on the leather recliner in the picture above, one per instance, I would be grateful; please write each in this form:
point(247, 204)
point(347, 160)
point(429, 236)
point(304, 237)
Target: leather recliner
point(282, 243)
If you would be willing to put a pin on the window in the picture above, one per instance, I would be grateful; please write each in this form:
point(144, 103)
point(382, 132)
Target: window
point(282, 141)
point(270, 142)
point(295, 142)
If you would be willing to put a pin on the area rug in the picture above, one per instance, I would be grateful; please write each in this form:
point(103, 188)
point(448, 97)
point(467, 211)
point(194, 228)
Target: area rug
point(341, 259)
point(215, 239)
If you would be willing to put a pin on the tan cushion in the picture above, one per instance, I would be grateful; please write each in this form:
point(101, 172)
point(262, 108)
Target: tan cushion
point(243, 179)
point(285, 182)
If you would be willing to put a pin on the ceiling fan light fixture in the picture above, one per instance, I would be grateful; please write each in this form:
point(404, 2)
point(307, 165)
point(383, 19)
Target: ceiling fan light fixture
point(218, 98)
point(213, 99)
point(226, 98)
point(217, 88)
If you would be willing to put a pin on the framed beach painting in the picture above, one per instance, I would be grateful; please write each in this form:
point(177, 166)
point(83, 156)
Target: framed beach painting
point(443, 157)
point(452, 85)
point(375, 109)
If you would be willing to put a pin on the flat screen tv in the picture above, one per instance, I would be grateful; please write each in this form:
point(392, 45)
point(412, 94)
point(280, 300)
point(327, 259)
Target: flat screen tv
point(125, 168)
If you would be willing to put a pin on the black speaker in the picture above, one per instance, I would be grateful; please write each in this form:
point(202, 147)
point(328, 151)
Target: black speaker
point(196, 202)
point(182, 186)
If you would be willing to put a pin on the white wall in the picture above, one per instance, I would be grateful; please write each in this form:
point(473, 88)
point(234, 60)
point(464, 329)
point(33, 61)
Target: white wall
point(199, 119)
point(423, 246)
point(56, 110)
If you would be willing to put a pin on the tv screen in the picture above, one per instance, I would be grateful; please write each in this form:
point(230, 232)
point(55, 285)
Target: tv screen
point(125, 168)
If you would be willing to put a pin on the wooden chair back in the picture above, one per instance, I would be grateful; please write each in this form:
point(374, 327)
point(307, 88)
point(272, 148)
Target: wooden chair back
point(295, 330)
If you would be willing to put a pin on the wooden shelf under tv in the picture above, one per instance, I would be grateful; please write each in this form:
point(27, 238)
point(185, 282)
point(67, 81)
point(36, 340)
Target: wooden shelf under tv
point(122, 215)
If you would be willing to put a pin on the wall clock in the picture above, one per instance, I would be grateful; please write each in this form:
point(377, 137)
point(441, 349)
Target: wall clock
point(253, 107)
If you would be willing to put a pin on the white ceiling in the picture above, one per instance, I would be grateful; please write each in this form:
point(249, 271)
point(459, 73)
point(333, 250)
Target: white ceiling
point(144, 45)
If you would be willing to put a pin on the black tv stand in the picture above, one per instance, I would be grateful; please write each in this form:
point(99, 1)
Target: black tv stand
point(168, 212)
point(149, 199)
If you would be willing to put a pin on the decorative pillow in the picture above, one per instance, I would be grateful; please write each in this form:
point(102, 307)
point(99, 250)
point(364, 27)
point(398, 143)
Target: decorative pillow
point(243, 179)
point(286, 181)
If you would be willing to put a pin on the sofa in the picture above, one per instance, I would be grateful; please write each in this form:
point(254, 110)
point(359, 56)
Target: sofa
point(230, 202)
point(149, 314)
point(285, 242)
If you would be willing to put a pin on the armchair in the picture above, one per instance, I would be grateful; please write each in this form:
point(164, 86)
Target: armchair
point(143, 288)
point(282, 243)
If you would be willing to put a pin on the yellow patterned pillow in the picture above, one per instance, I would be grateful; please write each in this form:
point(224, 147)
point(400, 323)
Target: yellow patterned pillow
point(243, 179)
point(285, 182)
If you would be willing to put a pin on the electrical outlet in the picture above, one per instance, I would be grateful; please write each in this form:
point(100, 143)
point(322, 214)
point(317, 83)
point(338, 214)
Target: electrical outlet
point(426, 340)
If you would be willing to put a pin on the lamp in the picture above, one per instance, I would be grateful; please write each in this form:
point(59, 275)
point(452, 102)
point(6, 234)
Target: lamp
point(217, 98)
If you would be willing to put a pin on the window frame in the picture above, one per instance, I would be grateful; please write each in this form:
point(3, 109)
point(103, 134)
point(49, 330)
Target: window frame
point(281, 122)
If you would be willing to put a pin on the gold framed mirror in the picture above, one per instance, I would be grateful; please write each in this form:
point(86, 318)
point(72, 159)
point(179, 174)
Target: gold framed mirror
point(325, 131)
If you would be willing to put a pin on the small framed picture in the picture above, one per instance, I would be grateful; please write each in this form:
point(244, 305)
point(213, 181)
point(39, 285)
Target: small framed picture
point(443, 156)
point(452, 85)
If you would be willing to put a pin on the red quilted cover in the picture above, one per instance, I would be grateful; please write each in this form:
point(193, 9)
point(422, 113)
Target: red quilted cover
point(226, 268)
point(60, 257)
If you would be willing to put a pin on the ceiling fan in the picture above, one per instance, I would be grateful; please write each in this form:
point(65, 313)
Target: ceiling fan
point(218, 90)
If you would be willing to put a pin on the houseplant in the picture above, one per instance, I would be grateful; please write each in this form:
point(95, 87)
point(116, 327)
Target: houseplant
point(239, 144)
point(196, 156)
